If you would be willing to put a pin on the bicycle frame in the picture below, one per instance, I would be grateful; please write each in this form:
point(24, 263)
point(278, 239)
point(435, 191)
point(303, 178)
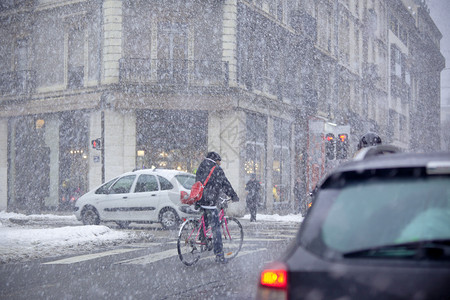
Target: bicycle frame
point(194, 238)
point(207, 233)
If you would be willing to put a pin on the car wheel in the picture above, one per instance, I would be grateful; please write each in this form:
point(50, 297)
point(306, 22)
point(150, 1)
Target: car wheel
point(90, 216)
point(169, 218)
point(123, 224)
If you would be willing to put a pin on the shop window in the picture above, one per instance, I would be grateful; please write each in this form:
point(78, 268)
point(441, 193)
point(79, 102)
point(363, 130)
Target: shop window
point(255, 149)
point(171, 139)
point(281, 163)
point(73, 162)
point(30, 166)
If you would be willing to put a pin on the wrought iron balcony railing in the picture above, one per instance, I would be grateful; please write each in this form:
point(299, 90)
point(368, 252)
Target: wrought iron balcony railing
point(173, 72)
point(18, 82)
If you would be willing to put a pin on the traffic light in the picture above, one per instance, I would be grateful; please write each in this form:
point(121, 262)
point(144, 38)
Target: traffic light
point(97, 144)
point(329, 146)
point(342, 146)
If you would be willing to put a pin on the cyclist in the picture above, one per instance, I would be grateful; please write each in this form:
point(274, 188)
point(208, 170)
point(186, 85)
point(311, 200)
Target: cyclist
point(218, 183)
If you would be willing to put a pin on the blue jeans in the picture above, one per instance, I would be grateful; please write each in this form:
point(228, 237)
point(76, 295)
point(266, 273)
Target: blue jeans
point(212, 217)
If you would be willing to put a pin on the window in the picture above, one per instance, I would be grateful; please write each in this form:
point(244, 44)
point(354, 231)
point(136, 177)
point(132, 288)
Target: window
point(403, 35)
point(172, 139)
point(186, 180)
point(104, 189)
point(280, 10)
point(325, 23)
point(123, 185)
point(146, 183)
point(23, 78)
point(172, 52)
point(396, 62)
point(165, 184)
point(373, 21)
point(412, 208)
point(344, 40)
point(21, 55)
point(255, 147)
point(281, 168)
point(75, 62)
point(393, 25)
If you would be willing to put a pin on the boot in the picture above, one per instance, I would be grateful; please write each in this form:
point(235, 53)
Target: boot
point(220, 258)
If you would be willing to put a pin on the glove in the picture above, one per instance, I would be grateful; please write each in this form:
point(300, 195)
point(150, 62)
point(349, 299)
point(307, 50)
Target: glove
point(235, 199)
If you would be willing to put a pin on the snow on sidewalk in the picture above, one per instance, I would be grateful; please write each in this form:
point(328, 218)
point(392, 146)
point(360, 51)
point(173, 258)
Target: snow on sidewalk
point(21, 240)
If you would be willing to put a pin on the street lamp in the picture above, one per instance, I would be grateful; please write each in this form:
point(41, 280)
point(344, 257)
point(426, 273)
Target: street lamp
point(141, 154)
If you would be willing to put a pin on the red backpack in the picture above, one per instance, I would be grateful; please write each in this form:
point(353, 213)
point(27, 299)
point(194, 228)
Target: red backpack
point(197, 190)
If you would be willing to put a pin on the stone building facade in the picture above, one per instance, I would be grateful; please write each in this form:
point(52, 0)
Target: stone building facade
point(160, 83)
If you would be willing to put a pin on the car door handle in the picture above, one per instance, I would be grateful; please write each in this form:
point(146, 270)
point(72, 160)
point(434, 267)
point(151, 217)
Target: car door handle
point(124, 197)
point(153, 195)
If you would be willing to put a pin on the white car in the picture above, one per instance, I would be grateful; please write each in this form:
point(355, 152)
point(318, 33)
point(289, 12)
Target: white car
point(142, 196)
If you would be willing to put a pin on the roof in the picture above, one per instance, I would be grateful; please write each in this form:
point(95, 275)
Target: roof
point(395, 160)
point(164, 172)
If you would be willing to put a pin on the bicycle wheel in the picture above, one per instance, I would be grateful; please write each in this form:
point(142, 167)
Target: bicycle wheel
point(188, 249)
point(232, 237)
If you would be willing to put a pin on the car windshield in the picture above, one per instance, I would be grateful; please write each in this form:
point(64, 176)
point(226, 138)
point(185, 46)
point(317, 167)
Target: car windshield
point(104, 189)
point(373, 212)
point(186, 180)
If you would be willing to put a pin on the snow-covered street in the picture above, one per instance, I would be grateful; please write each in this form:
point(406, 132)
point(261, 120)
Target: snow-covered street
point(26, 237)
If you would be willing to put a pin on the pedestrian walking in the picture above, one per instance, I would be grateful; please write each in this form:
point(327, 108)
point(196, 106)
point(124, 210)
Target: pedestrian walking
point(253, 195)
point(298, 195)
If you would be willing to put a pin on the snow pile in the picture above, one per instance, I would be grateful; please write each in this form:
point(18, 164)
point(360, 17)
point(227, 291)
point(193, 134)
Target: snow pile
point(25, 237)
point(50, 217)
point(19, 242)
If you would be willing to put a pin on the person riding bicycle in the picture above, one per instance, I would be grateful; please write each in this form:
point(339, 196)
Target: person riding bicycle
point(218, 183)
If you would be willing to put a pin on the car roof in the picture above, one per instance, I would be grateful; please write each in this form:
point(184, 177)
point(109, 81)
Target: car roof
point(164, 172)
point(434, 163)
point(395, 161)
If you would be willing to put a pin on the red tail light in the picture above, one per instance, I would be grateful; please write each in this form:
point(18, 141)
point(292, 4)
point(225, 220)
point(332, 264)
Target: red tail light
point(276, 278)
point(275, 275)
point(183, 195)
point(273, 283)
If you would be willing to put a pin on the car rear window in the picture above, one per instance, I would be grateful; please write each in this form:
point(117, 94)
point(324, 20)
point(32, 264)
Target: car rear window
point(186, 180)
point(165, 184)
point(382, 211)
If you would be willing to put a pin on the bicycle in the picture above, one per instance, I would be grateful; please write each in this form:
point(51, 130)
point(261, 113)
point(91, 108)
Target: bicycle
point(194, 238)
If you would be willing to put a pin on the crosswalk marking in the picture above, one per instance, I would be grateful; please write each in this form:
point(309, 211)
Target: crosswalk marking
point(245, 252)
point(151, 258)
point(254, 240)
point(154, 257)
point(157, 256)
point(80, 258)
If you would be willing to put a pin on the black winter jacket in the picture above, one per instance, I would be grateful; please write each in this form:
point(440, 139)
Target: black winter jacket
point(217, 183)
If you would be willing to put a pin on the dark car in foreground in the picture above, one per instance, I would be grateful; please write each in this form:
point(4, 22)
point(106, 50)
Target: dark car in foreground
point(379, 228)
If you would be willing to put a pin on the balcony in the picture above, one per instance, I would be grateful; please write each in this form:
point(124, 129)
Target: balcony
point(371, 73)
point(303, 22)
point(183, 73)
point(17, 83)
